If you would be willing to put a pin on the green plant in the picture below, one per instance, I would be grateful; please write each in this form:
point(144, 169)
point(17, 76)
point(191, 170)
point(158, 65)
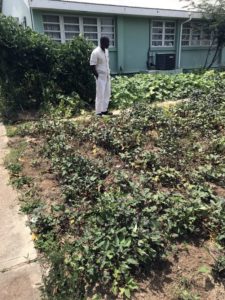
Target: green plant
point(183, 294)
point(218, 269)
point(131, 186)
point(34, 69)
point(127, 91)
point(29, 205)
point(19, 182)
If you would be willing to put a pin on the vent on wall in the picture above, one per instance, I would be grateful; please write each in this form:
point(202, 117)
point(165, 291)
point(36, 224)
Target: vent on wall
point(165, 61)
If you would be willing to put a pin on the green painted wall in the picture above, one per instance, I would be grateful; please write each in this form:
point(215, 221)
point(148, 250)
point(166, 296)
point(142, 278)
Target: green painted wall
point(195, 58)
point(223, 58)
point(136, 44)
point(37, 19)
point(132, 45)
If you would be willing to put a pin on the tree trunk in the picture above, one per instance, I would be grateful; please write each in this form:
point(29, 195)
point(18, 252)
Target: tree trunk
point(214, 57)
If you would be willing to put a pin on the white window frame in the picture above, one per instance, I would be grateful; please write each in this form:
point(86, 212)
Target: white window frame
point(202, 33)
point(91, 25)
point(53, 23)
point(63, 23)
point(163, 34)
point(81, 27)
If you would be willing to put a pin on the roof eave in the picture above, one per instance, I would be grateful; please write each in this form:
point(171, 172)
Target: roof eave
point(110, 9)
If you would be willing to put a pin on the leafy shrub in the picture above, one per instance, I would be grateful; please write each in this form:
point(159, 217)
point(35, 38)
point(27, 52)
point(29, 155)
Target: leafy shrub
point(218, 269)
point(34, 69)
point(158, 87)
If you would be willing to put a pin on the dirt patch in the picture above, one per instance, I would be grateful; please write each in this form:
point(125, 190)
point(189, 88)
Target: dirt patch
point(39, 169)
point(218, 190)
point(186, 272)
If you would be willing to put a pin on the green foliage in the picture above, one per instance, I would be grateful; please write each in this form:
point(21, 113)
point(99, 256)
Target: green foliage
point(183, 294)
point(34, 69)
point(131, 186)
point(21, 181)
point(67, 107)
point(218, 269)
point(158, 87)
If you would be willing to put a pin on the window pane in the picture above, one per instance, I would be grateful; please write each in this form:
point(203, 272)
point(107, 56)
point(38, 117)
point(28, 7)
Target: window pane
point(157, 36)
point(205, 42)
point(91, 21)
point(185, 43)
point(54, 35)
point(213, 40)
point(195, 40)
point(186, 31)
point(168, 43)
point(156, 43)
point(52, 27)
point(170, 24)
point(206, 35)
point(169, 30)
point(187, 25)
point(196, 32)
point(72, 28)
point(109, 35)
point(157, 30)
point(70, 35)
point(107, 21)
point(107, 29)
point(169, 37)
point(71, 20)
point(185, 37)
point(90, 29)
point(91, 36)
point(52, 19)
point(157, 24)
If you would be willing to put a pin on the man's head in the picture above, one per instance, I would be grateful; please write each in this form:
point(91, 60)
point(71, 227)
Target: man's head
point(104, 42)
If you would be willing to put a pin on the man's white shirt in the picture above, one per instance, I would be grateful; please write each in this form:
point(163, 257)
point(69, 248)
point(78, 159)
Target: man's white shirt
point(100, 59)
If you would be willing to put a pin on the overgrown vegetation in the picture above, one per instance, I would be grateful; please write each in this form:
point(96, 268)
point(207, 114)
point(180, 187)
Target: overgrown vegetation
point(35, 70)
point(160, 87)
point(131, 186)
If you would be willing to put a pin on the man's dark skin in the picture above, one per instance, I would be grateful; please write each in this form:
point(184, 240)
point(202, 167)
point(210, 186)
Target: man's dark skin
point(104, 44)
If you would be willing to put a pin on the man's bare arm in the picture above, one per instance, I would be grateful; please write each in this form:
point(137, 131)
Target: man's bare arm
point(93, 69)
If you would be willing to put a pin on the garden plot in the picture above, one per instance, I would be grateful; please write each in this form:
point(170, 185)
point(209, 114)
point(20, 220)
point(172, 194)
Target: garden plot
point(131, 205)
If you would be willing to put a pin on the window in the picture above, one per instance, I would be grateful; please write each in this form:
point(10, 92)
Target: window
point(90, 27)
point(71, 27)
point(108, 29)
point(163, 33)
point(195, 34)
point(52, 27)
point(65, 28)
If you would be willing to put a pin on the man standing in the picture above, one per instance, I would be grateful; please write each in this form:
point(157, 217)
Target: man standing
point(99, 62)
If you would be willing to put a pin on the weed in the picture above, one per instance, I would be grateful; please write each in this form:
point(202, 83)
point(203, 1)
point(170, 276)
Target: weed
point(218, 269)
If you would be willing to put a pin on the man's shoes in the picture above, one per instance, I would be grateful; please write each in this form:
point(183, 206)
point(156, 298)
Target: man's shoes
point(99, 115)
point(107, 113)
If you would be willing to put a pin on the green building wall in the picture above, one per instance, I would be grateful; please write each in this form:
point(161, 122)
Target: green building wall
point(133, 45)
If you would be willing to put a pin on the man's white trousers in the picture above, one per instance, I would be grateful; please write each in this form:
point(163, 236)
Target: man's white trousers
point(103, 93)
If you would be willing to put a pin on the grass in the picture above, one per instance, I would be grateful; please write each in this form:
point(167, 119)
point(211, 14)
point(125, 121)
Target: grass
point(11, 130)
point(15, 154)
